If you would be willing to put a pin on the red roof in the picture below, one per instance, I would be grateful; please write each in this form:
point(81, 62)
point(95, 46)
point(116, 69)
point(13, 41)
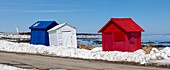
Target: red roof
point(127, 24)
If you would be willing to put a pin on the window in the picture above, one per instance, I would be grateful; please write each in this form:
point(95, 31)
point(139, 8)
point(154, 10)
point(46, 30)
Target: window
point(119, 36)
point(132, 37)
point(36, 24)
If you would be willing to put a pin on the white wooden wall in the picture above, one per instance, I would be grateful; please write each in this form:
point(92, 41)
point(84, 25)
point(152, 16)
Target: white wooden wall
point(64, 36)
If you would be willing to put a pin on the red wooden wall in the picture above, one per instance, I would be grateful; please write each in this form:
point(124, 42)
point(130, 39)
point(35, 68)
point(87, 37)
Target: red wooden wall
point(116, 39)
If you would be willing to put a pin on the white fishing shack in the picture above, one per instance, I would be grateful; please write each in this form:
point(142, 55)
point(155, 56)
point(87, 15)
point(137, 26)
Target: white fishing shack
point(63, 35)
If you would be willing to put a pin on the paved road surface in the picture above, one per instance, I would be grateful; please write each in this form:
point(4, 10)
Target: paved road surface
point(45, 62)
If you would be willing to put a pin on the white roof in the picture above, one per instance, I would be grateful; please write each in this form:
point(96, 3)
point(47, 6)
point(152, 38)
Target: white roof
point(59, 26)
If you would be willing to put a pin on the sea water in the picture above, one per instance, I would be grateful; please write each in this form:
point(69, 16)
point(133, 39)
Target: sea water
point(156, 39)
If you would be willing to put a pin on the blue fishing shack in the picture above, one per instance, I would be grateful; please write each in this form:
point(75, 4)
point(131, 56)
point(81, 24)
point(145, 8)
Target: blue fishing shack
point(39, 34)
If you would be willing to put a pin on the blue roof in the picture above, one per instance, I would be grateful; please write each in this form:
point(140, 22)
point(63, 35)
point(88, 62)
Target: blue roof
point(43, 25)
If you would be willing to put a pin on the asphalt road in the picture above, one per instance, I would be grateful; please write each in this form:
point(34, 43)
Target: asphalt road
point(30, 61)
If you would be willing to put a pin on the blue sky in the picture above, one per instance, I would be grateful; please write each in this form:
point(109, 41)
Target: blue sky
point(86, 15)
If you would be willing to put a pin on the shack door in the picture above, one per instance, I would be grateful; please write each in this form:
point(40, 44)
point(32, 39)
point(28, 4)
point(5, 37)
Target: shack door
point(133, 41)
point(107, 42)
point(67, 39)
point(119, 41)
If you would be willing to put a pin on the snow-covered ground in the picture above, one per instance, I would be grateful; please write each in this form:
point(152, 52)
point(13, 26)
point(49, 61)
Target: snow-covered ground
point(6, 67)
point(13, 35)
point(96, 53)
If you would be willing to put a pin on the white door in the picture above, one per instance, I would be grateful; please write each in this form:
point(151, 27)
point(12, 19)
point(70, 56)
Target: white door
point(67, 39)
point(53, 38)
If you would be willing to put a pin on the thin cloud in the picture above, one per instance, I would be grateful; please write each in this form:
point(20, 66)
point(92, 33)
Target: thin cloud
point(50, 11)
point(39, 11)
point(54, 5)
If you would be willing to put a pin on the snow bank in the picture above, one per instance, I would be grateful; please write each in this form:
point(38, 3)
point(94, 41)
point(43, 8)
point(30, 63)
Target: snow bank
point(96, 53)
point(156, 54)
point(166, 51)
point(97, 49)
point(159, 54)
point(6, 67)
